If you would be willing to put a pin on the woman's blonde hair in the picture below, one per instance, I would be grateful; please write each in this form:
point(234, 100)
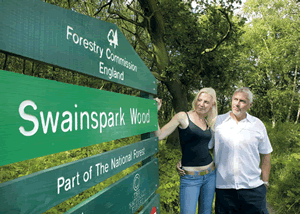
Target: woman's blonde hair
point(212, 115)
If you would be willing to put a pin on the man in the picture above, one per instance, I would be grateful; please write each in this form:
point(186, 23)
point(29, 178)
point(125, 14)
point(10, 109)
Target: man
point(241, 185)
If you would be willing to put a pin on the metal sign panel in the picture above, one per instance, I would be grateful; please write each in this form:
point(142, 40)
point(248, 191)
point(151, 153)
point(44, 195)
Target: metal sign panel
point(73, 41)
point(125, 195)
point(40, 117)
point(60, 183)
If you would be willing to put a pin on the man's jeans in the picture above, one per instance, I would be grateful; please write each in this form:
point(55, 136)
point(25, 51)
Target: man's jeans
point(243, 201)
point(197, 188)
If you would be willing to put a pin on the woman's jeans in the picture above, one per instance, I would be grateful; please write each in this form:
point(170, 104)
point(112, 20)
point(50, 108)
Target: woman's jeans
point(197, 189)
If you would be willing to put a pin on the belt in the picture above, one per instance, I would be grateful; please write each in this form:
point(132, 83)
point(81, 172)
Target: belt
point(204, 172)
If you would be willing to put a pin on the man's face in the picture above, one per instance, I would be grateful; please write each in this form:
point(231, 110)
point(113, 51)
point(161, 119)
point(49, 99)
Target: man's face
point(240, 104)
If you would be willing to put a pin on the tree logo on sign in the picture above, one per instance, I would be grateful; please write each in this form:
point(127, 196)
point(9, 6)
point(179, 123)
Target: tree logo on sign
point(112, 37)
point(136, 182)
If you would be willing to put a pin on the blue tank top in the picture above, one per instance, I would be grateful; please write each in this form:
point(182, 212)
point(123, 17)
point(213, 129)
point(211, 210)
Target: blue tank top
point(194, 145)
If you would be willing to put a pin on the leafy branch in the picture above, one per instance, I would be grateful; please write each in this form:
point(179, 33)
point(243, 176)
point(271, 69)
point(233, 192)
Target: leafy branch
point(118, 14)
point(103, 6)
point(142, 44)
point(208, 50)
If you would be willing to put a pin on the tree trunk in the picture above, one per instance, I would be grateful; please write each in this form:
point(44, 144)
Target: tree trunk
point(32, 68)
point(24, 64)
point(292, 100)
point(154, 23)
point(273, 115)
point(179, 103)
point(179, 94)
point(298, 115)
point(5, 62)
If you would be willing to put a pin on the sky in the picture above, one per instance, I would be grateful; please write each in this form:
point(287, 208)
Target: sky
point(194, 4)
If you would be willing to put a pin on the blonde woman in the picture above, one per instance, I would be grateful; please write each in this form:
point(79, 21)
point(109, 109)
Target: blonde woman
point(198, 182)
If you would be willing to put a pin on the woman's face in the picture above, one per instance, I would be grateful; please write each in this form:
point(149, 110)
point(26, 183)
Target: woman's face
point(204, 104)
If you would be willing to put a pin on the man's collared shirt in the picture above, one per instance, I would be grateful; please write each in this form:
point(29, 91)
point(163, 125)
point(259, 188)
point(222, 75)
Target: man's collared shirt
point(236, 151)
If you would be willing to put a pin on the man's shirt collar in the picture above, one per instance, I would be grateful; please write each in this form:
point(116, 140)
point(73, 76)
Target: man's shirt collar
point(228, 117)
point(248, 117)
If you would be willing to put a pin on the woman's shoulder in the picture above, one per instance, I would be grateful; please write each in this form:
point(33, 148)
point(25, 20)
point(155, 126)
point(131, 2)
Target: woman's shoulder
point(181, 115)
point(182, 118)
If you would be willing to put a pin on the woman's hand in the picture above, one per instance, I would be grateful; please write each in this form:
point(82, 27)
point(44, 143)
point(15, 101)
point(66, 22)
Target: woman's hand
point(159, 103)
point(179, 169)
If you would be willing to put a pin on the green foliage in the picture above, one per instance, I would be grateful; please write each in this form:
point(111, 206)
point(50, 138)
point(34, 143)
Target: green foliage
point(269, 58)
point(169, 180)
point(284, 191)
point(188, 34)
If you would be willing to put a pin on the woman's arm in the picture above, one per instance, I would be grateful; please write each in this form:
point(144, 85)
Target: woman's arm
point(169, 127)
point(177, 120)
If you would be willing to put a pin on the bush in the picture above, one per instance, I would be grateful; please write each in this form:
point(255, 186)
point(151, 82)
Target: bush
point(169, 180)
point(284, 190)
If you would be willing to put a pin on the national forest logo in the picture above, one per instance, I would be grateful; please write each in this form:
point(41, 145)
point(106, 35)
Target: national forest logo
point(112, 37)
point(138, 196)
point(136, 182)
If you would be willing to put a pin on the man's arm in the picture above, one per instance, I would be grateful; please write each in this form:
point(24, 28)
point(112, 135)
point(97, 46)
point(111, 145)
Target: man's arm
point(265, 166)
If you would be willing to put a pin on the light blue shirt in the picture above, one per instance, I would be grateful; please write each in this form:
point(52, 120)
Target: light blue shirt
point(236, 151)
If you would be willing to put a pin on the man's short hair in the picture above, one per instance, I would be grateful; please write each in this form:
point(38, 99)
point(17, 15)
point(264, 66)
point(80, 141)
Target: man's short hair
point(247, 91)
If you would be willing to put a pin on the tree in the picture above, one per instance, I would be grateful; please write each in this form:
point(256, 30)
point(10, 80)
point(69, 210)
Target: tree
point(271, 57)
point(183, 48)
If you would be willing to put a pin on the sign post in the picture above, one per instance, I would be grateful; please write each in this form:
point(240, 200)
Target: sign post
point(124, 196)
point(60, 183)
point(73, 41)
point(53, 117)
point(41, 117)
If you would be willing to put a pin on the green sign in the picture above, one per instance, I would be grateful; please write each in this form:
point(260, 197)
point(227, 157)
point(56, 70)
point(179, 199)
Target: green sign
point(153, 207)
point(63, 38)
point(57, 184)
point(124, 196)
point(41, 117)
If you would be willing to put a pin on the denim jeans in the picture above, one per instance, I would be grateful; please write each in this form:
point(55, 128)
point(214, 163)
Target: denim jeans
point(197, 189)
